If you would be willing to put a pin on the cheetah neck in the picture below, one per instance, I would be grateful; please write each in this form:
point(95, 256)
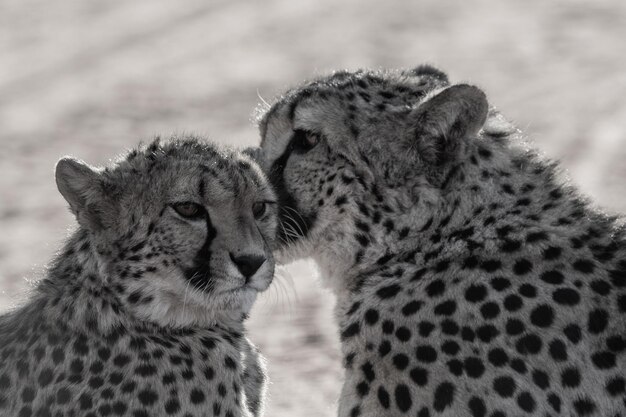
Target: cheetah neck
point(496, 190)
point(78, 290)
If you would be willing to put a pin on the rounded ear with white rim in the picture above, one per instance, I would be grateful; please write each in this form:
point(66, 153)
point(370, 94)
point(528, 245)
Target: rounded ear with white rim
point(440, 124)
point(82, 186)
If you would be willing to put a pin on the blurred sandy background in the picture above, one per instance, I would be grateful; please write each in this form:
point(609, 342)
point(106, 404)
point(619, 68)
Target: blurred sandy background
point(92, 78)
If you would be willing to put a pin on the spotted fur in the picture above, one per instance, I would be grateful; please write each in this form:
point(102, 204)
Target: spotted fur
point(141, 313)
point(470, 280)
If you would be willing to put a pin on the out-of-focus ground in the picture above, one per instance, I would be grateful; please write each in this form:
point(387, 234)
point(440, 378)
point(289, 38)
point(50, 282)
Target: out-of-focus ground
point(93, 78)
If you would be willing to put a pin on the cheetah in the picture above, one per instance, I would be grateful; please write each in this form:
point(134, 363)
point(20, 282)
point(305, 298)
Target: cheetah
point(469, 279)
point(141, 313)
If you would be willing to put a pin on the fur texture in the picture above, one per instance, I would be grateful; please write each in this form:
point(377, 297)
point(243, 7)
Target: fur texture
point(142, 311)
point(469, 279)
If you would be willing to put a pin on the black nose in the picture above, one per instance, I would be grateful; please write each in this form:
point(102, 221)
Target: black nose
point(247, 264)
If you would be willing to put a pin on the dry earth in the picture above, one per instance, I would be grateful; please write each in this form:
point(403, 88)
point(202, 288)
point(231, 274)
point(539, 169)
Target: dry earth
point(93, 78)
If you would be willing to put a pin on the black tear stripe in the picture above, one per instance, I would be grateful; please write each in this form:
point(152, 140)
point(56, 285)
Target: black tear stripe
point(199, 275)
point(201, 188)
point(297, 225)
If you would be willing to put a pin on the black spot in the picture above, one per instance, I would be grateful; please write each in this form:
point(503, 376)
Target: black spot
point(350, 331)
point(354, 308)
point(600, 287)
point(551, 253)
point(467, 334)
point(500, 284)
point(145, 370)
point(411, 308)
point(403, 334)
point(450, 347)
point(542, 316)
point(368, 371)
point(558, 351)
point(419, 376)
point(528, 291)
point(541, 379)
point(597, 321)
point(425, 328)
point(584, 406)
point(426, 353)
point(566, 296)
point(498, 357)
point(555, 402)
point(400, 361)
point(476, 293)
point(446, 308)
point(616, 343)
point(474, 367)
point(383, 397)
point(384, 348)
point(45, 377)
point(490, 310)
point(371, 317)
point(621, 303)
point(403, 398)
point(522, 266)
point(513, 302)
point(85, 401)
point(477, 407)
point(435, 288)
point(603, 360)
point(440, 267)
point(552, 277)
point(362, 388)
point(121, 360)
point(570, 377)
point(616, 386)
point(529, 344)
point(388, 327)
point(455, 366)
point(573, 333)
point(584, 265)
point(172, 406)
point(63, 396)
point(28, 395)
point(510, 245)
point(147, 397)
point(388, 291)
point(504, 386)
point(536, 237)
point(526, 402)
point(491, 265)
point(470, 262)
point(518, 365)
point(487, 332)
point(449, 327)
point(444, 396)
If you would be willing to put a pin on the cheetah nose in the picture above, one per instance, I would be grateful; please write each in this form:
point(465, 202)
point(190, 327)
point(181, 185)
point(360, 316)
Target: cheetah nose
point(247, 264)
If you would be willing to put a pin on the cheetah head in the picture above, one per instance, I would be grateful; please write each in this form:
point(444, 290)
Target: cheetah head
point(335, 144)
point(184, 230)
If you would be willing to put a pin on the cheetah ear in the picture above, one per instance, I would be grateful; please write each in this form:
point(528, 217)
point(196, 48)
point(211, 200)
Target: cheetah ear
point(426, 70)
point(441, 123)
point(83, 188)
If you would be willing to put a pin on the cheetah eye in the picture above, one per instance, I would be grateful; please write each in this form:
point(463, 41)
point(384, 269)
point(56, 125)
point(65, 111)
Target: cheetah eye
point(258, 209)
point(305, 140)
point(189, 210)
